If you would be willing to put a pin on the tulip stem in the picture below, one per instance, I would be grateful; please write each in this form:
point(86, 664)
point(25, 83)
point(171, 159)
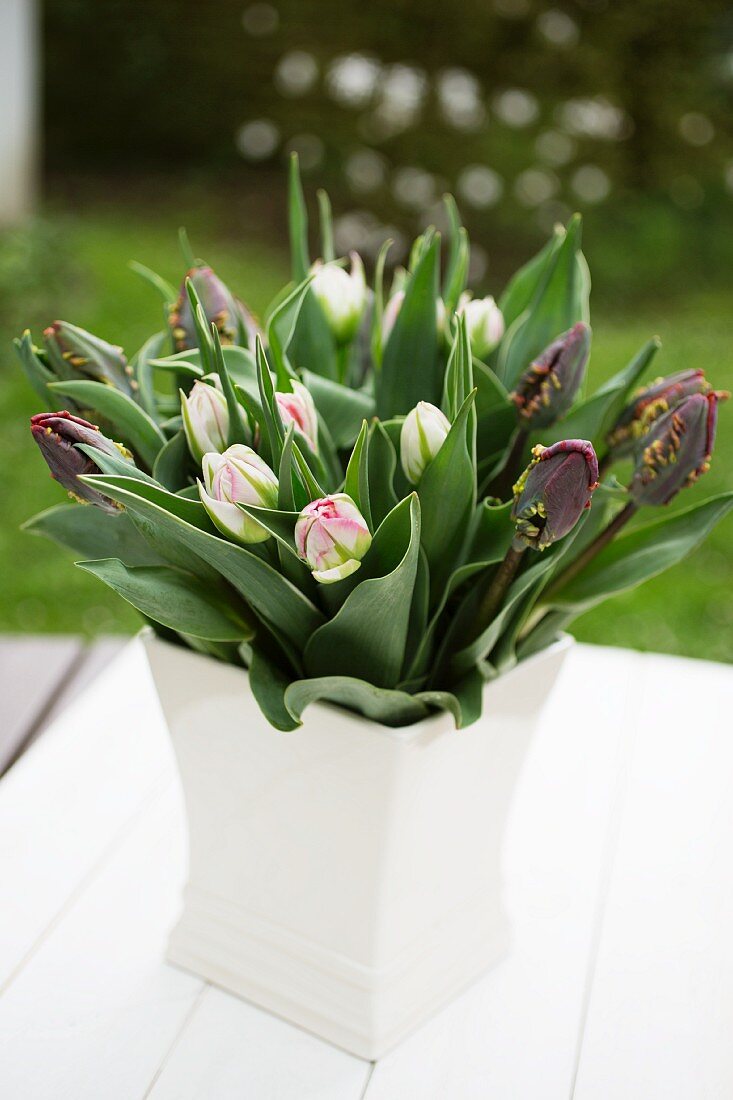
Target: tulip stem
point(591, 550)
point(342, 362)
point(504, 576)
point(504, 480)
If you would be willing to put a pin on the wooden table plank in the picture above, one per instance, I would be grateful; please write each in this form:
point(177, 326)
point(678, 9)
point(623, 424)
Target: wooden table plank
point(661, 1010)
point(514, 1034)
point(72, 795)
point(232, 1049)
point(32, 672)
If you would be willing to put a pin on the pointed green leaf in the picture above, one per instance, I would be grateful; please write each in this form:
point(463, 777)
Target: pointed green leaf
point(91, 533)
point(367, 636)
point(172, 597)
point(411, 368)
point(297, 222)
point(132, 423)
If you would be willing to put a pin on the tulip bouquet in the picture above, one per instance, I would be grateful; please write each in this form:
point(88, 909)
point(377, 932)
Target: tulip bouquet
point(377, 500)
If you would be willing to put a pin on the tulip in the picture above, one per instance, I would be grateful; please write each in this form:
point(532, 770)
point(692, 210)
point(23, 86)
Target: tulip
point(57, 434)
point(70, 347)
point(238, 476)
point(342, 296)
point(331, 535)
point(651, 402)
point(547, 389)
point(553, 492)
point(484, 323)
point(297, 408)
point(423, 433)
point(676, 450)
point(234, 322)
point(205, 419)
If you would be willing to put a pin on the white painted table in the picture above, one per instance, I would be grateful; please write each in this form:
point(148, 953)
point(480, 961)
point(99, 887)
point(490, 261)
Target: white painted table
point(619, 878)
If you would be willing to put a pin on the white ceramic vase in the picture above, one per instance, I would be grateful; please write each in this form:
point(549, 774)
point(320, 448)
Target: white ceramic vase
point(346, 876)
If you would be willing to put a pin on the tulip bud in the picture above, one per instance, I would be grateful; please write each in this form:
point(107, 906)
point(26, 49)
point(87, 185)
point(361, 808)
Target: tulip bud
point(649, 403)
point(234, 323)
point(484, 323)
point(297, 408)
point(676, 450)
point(68, 346)
point(423, 434)
point(205, 419)
point(547, 389)
point(331, 535)
point(238, 476)
point(342, 296)
point(57, 434)
point(553, 492)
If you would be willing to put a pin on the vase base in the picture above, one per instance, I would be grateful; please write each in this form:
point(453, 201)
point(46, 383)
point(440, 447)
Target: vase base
point(362, 1010)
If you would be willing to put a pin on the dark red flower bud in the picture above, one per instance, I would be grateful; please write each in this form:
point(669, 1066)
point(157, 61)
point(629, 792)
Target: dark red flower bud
point(74, 351)
point(547, 389)
point(57, 434)
point(234, 322)
point(676, 450)
point(651, 402)
point(553, 492)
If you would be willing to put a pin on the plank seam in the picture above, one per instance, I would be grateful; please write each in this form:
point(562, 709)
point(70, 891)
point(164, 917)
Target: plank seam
point(609, 852)
point(198, 1001)
point(71, 669)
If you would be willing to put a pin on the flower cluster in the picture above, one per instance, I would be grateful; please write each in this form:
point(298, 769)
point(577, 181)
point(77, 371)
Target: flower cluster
point(391, 496)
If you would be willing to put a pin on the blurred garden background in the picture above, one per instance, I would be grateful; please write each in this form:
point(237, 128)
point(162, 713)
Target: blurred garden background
point(150, 116)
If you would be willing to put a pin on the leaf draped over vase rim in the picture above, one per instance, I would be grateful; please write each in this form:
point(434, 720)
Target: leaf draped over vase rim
point(382, 497)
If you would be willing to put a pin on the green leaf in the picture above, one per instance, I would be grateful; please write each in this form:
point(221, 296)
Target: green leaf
point(191, 511)
point(389, 707)
point(593, 418)
point(238, 428)
point(378, 305)
point(560, 300)
point(171, 465)
point(454, 282)
point(634, 557)
point(382, 465)
point(496, 416)
point(281, 328)
point(367, 636)
point(172, 597)
point(324, 210)
point(447, 492)
point(272, 596)
point(271, 420)
point(342, 408)
point(269, 684)
point(411, 368)
point(142, 364)
point(114, 464)
point(356, 484)
point(167, 291)
point(91, 533)
point(132, 423)
point(297, 223)
point(523, 286)
point(37, 373)
point(280, 524)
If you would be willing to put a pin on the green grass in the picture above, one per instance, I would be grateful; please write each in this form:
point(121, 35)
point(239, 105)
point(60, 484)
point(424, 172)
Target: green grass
point(75, 268)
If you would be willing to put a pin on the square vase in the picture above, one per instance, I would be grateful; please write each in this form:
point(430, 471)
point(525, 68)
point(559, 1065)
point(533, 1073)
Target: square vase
point(346, 876)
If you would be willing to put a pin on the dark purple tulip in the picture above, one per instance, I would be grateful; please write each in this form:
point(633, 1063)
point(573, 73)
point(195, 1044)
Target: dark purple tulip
point(651, 402)
point(234, 322)
point(56, 434)
point(553, 492)
point(74, 351)
point(547, 389)
point(676, 450)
